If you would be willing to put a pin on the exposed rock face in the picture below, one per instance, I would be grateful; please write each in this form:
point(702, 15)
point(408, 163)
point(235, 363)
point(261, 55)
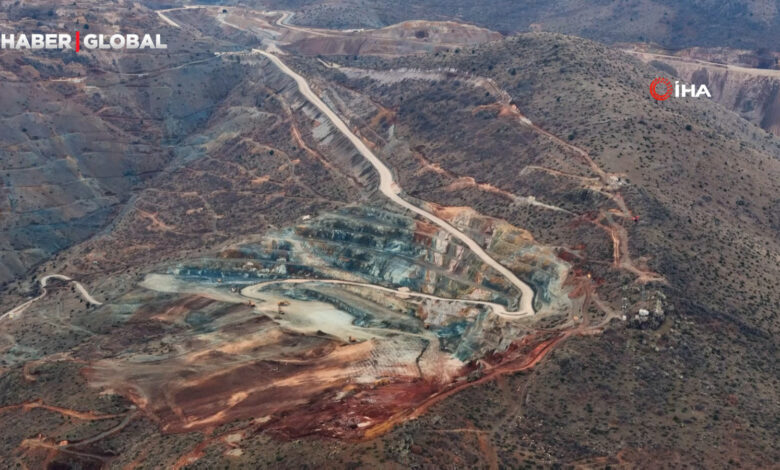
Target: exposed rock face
point(332, 359)
point(753, 93)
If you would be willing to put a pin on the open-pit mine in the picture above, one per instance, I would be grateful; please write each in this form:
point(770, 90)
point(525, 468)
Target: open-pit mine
point(276, 236)
point(341, 324)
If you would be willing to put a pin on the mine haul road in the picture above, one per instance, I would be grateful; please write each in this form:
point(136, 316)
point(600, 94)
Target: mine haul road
point(392, 190)
point(253, 292)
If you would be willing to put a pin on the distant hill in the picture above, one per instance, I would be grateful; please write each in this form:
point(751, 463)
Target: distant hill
point(748, 24)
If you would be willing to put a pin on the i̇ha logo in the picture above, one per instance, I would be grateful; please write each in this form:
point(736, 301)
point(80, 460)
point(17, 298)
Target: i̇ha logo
point(679, 90)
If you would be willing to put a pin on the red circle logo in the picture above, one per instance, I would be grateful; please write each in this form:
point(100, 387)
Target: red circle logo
point(658, 81)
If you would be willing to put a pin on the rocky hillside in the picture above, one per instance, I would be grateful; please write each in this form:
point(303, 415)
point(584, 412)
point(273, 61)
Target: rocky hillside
point(677, 157)
point(753, 93)
point(94, 128)
point(648, 231)
point(497, 127)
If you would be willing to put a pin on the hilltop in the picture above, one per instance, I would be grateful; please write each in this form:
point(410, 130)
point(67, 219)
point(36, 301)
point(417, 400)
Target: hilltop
point(745, 24)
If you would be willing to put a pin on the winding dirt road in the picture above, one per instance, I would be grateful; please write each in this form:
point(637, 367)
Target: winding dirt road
point(170, 22)
point(44, 281)
point(392, 190)
point(253, 292)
